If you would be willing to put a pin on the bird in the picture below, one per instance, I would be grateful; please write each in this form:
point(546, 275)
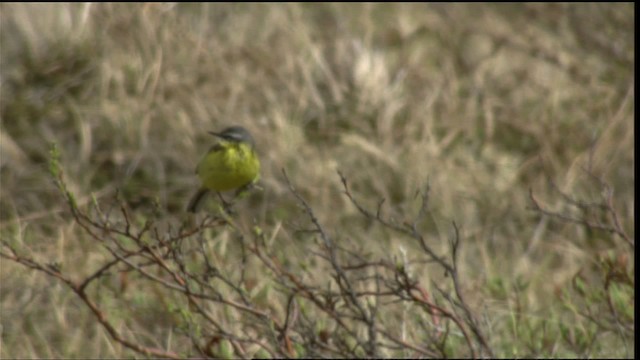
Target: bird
point(231, 163)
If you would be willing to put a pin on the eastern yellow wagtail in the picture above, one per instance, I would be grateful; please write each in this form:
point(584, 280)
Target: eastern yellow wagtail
point(232, 163)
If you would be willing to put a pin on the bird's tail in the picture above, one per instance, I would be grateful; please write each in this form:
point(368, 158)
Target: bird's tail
point(195, 199)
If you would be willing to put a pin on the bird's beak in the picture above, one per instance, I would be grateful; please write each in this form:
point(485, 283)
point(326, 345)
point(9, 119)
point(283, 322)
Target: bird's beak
point(215, 134)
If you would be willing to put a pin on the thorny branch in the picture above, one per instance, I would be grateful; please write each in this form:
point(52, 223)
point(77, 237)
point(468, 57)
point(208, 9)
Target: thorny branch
point(451, 267)
point(605, 207)
point(346, 317)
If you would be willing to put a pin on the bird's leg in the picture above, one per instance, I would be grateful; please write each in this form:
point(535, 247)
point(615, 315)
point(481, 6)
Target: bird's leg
point(241, 191)
point(225, 205)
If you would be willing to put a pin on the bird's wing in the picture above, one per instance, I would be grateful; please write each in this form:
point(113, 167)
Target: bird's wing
point(214, 148)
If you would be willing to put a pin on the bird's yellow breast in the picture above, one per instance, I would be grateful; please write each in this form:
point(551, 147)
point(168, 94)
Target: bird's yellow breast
point(228, 165)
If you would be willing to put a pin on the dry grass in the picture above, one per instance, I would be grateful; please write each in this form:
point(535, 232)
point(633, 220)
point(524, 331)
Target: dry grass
point(482, 101)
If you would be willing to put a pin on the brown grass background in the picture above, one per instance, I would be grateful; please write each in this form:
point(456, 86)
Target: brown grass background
point(483, 101)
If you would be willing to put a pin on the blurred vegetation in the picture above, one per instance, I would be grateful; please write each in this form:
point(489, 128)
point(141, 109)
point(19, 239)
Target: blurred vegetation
point(519, 117)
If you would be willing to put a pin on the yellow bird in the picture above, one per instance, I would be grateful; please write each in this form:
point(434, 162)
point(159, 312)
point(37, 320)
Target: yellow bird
point(232, 163)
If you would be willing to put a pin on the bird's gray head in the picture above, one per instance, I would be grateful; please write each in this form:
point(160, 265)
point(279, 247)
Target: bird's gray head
point(235, 134)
